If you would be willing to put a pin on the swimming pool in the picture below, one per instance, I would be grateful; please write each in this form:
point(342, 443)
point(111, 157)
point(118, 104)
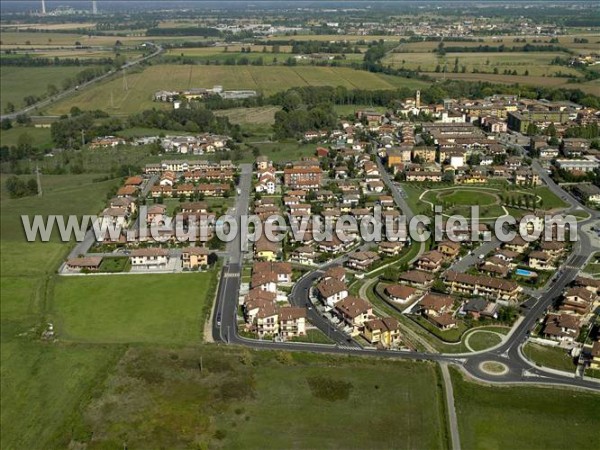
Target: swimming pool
point(525, 273)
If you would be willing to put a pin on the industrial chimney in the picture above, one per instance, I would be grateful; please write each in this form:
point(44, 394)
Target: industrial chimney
point(94, 7)
point(44, 7)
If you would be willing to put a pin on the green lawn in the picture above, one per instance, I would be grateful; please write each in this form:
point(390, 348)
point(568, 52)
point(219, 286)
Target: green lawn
point(467, 197)
point(481, 341)
point(525, 417)
point(114, 265)
point(165, 309)
point(549, 199)
point(16, 83)
point(552, 357)
point(387, 406)
point(314, 335)
point(37, 137)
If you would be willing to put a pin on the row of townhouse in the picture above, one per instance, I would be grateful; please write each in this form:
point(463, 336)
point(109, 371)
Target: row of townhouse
point(356, 314)
point(577, 307)
point(188, 189)
point(181, 166)
point(262, 312)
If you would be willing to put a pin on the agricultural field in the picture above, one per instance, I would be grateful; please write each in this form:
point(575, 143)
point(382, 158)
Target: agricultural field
point(536, 64)
point(268, 80)
point(551, 82)
point(263, 115)
point(492, 417)
point(17, 83)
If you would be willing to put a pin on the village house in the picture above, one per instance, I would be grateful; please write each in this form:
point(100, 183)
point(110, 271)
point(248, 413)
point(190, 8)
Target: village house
point(383, 332)
point(401, 293)
point(156, 214)
point(562, 327)
point(430, 261)
point(362, 260)
point(282, 270)
point(449, 249)
point(304, 255)
point(578, 300)
point(266, 250)
point(194, 257)
point(541, 261)
point(116, 217)
point(331, 291)
point(87, 263)
point(354, 312)
point(479, 307)
point(417, 278)
point(388, 248)
point(302, 177)
point(149, 258)
point(292, 322)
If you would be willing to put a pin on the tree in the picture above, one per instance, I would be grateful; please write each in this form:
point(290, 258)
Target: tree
point(6, 124)
point(439, 286)
point(9, 108)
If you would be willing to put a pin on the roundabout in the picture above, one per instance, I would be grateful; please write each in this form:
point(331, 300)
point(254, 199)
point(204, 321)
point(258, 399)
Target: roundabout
point(494, 368)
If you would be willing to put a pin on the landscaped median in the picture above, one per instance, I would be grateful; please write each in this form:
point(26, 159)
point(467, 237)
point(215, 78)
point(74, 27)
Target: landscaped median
point(552, 357)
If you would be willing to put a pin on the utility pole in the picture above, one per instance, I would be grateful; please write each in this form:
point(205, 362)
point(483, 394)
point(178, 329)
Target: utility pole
point(39, 180)
point(82, 137)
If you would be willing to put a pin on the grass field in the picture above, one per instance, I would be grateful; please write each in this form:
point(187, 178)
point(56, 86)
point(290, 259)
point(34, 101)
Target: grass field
point(263, 79)
point(481, 341)
point(40, 137)
point(281, 151)
point(552, 357)
point(263, 115)
point(466, 197)
point(90, 309)
point(509, 79)
point(44, 385)
point(16, 83)
point(525, 417)
point(245, 399)
point(537, 64)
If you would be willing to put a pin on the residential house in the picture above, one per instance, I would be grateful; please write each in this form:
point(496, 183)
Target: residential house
point(384, 332)
point(194, 257)
point(417, 278)
point(578, 300)
point(401, 293)
point(481, 285)
point(362, 260)
point(430, 261)
point(541, 261)
point(562, 327)
point(149, 258)
point(331, 291)
point(480, 307)
point(292, 322)
point(88, 263)
point(354, 312)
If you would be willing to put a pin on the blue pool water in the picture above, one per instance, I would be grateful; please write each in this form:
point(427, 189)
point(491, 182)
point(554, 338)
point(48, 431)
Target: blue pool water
point(525, 273)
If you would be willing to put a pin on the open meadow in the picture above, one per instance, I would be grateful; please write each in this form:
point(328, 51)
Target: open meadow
point(163, 309)
point(16, 83)
point(492, 417)
point(208, 397)
point(536, 64)
point(268, 80)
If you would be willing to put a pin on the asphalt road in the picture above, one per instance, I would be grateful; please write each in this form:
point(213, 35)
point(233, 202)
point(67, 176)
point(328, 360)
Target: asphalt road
point(520, 371)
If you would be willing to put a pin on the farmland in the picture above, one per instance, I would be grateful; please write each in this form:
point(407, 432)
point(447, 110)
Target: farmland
point(538, 418)
point(536, 64)
point(17, 83)
point(268, 80)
